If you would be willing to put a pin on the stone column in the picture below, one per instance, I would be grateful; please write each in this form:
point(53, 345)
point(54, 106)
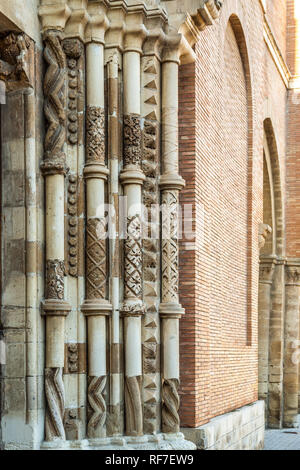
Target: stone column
point(132, 179)
point(54, 169)
point(96, 306)
point(291, 353)
point(266, 272)
point(170, 183)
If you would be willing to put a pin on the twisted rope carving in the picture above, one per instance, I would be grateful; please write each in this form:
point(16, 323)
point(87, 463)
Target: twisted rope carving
point(54, 93)
point(55, 397)
point(170, 407)
point(133, 404)
point(97, 405)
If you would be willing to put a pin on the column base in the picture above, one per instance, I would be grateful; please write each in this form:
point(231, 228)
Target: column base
point(157, 442)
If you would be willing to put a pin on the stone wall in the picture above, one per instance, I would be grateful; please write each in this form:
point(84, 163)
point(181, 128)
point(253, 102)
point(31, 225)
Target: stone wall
point(243, 429)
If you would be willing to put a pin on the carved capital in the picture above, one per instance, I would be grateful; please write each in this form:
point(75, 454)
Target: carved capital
point(135, 33)
point(293, 275)
point(78, 20)
point(98, 22)
point(15, 61)
point(266, 270)
point(54, 15)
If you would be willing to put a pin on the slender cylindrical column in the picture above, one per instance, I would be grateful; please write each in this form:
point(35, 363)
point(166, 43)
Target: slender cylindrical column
point(113, 156)
point(171, 184)
point(266, 271)
point(132, 179)
point(96, 305)
point(291, 353)
point(54, 169)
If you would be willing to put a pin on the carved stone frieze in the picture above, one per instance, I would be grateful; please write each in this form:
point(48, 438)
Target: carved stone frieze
point(96, 259)
point(73, 49)
point(72, 226)
point(95, 134)
point(55, 272)
point(55, 398)
point(54, 103)
point(132, 140)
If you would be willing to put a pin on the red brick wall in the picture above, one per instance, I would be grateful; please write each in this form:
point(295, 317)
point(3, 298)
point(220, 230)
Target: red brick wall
point(221, 158)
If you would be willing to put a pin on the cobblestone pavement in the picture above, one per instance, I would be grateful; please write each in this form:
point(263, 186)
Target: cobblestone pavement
point(285, 439)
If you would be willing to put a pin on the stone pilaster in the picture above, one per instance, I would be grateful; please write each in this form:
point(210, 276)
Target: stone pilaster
point(170, 183)
point(291, 353)
point(54, 169)
point(96, 306)
point(132, 179)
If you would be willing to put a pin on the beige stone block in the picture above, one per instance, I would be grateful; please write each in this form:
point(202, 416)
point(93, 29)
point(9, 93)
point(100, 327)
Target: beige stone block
point(14, 394)
point(15, 360)
point(14, 293)
point(13, 317)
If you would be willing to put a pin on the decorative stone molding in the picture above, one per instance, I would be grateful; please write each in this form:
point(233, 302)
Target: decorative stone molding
point(15, 61)
point(96, 406)
point(54, 104)
point(132, 141)
point(170, 401)
point(55, 395)
point(95, 135)
point(96, 259)
point(134, 415)
point(74, 50)
point(72, 226)
point(293, 275)
point(55, 272)
point(266, 269)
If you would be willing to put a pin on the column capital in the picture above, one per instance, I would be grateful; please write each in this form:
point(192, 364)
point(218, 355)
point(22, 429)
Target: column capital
point(98, 22)
point(292, 272)
point(77, 22)
point(154, 42)
point(135, 33)
point(54, 15)
point(15, 58)
point(133, 308)
point(266, 269)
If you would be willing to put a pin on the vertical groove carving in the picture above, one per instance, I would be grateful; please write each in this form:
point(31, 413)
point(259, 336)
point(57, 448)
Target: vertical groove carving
point(96, 405)
point(170, 406)
point(54, 389)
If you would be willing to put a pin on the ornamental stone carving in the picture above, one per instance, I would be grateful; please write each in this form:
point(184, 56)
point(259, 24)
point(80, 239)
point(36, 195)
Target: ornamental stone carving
point(54, 389)
point(132, 140)
point(54, 103)
point(14, 60)
point(55, 272)
point(95, 135)
point(96, 259)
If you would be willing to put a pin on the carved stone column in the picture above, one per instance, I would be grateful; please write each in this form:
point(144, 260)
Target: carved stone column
point(132, 179)
point(96, 306)
point(170, 183)
point(291, 353)
point(266, 272)
point(54, 170)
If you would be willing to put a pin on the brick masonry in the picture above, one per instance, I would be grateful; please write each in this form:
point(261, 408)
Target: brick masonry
point(225, 98)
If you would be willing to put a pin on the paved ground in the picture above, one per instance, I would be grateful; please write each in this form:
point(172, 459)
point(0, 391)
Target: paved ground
point(286, 439)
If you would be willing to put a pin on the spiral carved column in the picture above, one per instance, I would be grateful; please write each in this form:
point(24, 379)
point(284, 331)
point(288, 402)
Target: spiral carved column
point(96, 306)
point(54, 169)
point(170, 183)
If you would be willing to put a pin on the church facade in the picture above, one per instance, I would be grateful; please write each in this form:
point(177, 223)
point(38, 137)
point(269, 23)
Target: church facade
point(150, 241)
